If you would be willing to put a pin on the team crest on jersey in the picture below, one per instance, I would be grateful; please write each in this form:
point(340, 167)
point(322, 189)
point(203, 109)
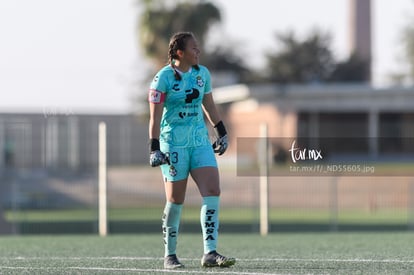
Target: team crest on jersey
point(200, 81)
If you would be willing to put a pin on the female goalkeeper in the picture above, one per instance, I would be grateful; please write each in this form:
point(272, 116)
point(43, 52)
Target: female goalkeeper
point(179, 95)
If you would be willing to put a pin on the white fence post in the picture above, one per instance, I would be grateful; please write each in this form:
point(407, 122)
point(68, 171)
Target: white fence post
point(264, 180)
point(102, 198)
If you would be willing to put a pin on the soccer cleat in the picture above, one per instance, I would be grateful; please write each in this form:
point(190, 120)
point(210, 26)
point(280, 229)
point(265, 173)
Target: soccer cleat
point(172, 262)
point(214, 259)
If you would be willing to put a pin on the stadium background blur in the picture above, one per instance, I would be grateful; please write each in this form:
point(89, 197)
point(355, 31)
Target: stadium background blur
point(49, 161)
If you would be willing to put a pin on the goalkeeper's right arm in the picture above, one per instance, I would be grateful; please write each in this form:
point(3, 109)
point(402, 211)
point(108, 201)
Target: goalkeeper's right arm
point(156, 106)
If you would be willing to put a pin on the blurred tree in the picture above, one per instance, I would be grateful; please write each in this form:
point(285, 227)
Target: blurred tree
point(224, 59)
point(405, 73)
point(160, 20)
point(408, 37)
point(301, 61)
point(354, 69)
point(312, 60)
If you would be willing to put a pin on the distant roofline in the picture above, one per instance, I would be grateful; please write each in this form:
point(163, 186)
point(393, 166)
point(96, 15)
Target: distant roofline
point(62, 111)
point(324, 97)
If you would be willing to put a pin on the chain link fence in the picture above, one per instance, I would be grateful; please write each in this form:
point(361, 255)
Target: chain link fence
point(49, 184)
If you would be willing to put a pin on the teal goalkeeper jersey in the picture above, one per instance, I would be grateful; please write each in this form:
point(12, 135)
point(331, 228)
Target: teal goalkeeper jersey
point(182, 122)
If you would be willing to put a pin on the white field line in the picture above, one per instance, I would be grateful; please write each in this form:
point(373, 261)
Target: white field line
point(356, 260)
point(120, 258)
point(182, 271)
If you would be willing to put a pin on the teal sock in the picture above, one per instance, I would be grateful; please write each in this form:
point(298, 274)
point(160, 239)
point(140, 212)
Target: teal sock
point(170, 226)
point(210, 222)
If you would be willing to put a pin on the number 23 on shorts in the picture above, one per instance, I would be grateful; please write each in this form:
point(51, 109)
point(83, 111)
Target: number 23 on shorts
point(173, 157)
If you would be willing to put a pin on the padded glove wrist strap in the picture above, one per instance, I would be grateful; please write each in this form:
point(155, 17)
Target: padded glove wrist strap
point(154, 144)
point(221, 130)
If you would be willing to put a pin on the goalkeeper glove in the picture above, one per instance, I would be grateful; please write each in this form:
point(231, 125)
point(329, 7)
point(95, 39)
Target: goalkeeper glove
point(157, 157)
point(221, 144)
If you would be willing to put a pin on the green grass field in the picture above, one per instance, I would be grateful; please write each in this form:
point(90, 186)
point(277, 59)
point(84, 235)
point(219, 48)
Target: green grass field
point(240, 220)
point(287, 253)
point(192, 214)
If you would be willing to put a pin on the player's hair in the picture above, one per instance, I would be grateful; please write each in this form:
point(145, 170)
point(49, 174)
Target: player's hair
point(178, 42)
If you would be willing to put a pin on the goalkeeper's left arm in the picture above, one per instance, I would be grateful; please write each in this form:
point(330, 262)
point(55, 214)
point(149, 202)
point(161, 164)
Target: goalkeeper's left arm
point(221, 144)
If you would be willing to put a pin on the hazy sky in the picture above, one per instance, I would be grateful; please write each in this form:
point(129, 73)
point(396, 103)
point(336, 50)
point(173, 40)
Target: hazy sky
point(82, 55)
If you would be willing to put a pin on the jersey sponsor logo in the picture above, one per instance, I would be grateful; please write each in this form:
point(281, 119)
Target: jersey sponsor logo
point(209, 224)
point(200, 81)
point(184, 114)
point(155, 96)
point(176, 87)
point(191, 95)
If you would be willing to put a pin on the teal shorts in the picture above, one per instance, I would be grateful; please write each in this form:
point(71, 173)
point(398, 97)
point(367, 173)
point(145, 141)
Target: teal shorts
point(184, 160)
